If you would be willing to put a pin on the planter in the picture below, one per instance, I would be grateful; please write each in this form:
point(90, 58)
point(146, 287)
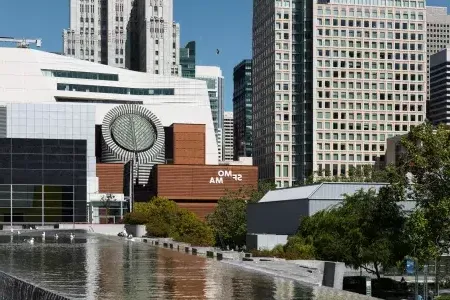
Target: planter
point(136, 230)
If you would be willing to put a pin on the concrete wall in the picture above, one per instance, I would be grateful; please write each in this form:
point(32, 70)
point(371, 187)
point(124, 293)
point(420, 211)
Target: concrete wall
point(281, 217)
point(265, 241)
point(136, 230)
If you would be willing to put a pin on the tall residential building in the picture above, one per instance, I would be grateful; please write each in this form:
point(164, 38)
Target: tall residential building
point(214, 82)
point(438, 36)
point(228, 129)
point(332, 80)
point(187, 60)
point(242, 109)
point(439, 111)
point(135, 34)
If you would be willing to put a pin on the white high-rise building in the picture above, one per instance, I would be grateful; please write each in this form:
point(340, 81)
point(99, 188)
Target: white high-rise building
point(135, 34)
point(214, 82)
point(339, 78)
point(228, 130)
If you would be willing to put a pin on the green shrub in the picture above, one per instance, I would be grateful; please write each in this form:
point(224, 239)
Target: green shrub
point(295, 248)
point(446, 297)
point(190, 229)
point(135, 218)
point(163, 218)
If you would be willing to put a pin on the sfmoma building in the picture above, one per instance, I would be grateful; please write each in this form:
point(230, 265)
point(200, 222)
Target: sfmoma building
point(80, 141)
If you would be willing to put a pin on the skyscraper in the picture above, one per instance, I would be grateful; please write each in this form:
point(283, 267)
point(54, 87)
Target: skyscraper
point(228, 129)
point(214, 82)
point(187, 60)
point(134, 34)
point(438, 37)
point(339, 78)
point(242, 109)
point(439, 85)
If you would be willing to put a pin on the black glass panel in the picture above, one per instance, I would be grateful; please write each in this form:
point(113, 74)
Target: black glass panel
point(80, 218)
point(58, 219)
point(5, 160)
point(80, 177)
point(5, 145)
point(27, 161)
point(80, 147)
point(31, 211)
point(58, 189)
point(58, 177)
point(57, 203)
point(5, 195)
point(80, 162)
point(32, 203)
point(58, 162)
point(5, 188)
point(5, 203)
point(26, 146)
point(5, 176)
point(26, 196)
point(80, 193)
point(20, 176)
point(58, 146)
point(58, 211)
point(27, 188)
point(58, 196)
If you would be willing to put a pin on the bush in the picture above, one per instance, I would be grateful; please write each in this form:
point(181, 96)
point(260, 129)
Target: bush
point(135, 218)
point(163, 218)
point(190, 229)
point(295, 248)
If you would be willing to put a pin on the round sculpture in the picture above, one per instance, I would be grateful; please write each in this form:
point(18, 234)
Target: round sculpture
point(132, 131)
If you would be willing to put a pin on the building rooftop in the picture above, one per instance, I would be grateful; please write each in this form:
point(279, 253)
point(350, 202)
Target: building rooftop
point(325, 190)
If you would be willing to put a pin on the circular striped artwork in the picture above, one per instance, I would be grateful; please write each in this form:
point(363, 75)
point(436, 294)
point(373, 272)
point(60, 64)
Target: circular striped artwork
point(132, 131)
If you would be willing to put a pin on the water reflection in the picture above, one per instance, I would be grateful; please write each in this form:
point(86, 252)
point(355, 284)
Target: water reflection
point(94, 267)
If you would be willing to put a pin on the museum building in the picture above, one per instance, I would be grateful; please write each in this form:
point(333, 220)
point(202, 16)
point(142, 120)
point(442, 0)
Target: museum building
point(82, 142)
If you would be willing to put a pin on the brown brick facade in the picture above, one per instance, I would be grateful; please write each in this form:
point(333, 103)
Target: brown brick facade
point(110, 178)
point(196, 183)
point(189, 144)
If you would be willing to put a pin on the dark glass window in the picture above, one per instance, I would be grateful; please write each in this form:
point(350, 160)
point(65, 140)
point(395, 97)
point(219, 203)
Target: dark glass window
point(47, 178)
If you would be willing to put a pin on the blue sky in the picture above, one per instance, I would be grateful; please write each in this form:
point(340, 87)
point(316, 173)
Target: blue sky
point(225, 25)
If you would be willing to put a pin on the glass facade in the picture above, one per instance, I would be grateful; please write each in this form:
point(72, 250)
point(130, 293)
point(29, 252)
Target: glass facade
point(80, 75)
point(187, 60)
point(42, 181)
point(243, 109)
point(114, 90)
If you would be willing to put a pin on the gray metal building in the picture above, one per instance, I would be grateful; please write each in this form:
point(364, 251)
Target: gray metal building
point(279, 211)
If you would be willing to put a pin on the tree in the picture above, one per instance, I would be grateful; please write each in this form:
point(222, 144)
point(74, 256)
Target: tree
point(423, 173)
point(229, 219)
point(365, 231)
point(107, 200)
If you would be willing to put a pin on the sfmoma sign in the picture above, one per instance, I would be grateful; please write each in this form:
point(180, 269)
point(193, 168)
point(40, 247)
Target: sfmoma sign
point(221, 174)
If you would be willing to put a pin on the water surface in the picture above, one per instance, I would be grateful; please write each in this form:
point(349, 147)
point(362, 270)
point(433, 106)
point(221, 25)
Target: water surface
point(97, 267)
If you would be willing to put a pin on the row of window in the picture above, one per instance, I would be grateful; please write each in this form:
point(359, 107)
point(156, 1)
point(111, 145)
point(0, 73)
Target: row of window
point(359, 137)
point(114, 90)
point(80, 75)
point(352, 147)
point(368, 24)
point(372, 14)
point(359, 106)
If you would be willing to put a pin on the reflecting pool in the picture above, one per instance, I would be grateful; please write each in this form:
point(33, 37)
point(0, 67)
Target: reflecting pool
point(98, 267)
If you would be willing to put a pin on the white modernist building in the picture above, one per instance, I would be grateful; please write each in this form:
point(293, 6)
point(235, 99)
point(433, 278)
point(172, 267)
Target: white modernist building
point(77, 96)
